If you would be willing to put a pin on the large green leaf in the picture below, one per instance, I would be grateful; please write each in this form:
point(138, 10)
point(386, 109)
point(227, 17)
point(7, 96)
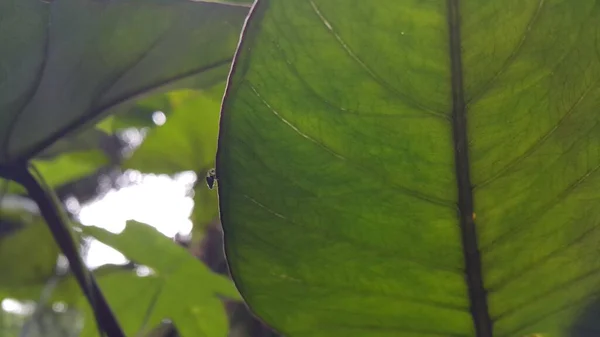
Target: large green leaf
point(356, 201)
point(186, 142)
point(66, 62)
point(182, 289)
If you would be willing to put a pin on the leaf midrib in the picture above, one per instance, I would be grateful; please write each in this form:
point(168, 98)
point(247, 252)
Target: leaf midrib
point(473, 270)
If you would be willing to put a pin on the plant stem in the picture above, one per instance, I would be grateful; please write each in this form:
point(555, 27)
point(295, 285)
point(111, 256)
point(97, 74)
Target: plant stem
point(59, 226)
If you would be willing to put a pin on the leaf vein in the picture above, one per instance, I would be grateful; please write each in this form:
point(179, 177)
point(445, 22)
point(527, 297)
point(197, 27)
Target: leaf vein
point(342, 110)
point(34, 89)
point(548, 207)
point(359, 244)
point(369, 71)
point(513, 56)
point(538, 264)
point(99, 112)
point(566, 306)
point(538, 143)
point(402, 189)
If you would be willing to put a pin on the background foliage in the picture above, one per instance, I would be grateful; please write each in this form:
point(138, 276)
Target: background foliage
point(75, 78)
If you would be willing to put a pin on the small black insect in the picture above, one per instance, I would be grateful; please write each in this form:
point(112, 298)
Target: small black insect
point(211, 178)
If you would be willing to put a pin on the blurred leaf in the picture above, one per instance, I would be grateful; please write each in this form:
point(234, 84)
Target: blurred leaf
point(41, 322)
point(66, 290)
point(28, 253)
point(106, 125)
point(76, 142)
point(164, 329)
point(140, 303)
point(65, 168)
point(145, 245)
point(136, 114)
point(70, 166)
point(67, 63)
point(182, 289)
point(186, 142)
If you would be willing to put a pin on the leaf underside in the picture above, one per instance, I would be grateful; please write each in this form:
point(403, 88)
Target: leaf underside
point(340, 172)
point(66, 63)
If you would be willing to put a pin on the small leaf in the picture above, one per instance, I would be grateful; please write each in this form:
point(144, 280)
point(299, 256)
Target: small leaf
point(182, 289)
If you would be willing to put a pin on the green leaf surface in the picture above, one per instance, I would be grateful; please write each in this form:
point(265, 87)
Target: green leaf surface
point(28, 253)
point(65, 63)
point(356, 202)
point(186, 142)
point(182, 288)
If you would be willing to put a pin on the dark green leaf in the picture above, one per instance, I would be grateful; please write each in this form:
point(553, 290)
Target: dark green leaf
point(67, 62)
point(344, 181)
